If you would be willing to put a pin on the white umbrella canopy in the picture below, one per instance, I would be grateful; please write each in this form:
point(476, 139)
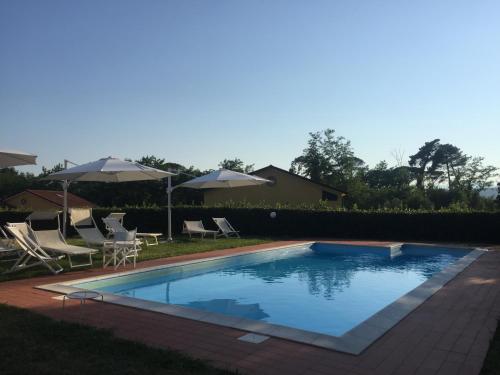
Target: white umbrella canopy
point(224, 178)
point(105, 170)
point(110, 170)
point(11, 158)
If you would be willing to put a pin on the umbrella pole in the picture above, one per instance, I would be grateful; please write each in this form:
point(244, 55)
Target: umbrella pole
point(65, 184)
point(169, 203)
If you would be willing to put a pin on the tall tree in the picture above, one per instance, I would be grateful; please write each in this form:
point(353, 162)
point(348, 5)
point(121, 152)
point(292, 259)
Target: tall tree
point(329, 159)
point(450, 159)
point(311, 163)
point(422, 160)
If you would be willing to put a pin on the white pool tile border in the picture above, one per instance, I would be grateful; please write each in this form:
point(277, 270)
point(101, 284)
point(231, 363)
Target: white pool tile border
point(353, 342)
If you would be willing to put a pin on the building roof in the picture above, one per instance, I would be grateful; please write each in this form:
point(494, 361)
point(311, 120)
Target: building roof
point(270, 166)
point(57, 198)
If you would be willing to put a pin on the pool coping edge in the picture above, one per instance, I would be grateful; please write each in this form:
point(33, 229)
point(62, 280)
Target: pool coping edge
point(354, 341)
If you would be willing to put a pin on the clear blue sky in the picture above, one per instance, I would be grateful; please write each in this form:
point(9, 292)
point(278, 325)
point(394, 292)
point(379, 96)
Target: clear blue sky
point(199, 81)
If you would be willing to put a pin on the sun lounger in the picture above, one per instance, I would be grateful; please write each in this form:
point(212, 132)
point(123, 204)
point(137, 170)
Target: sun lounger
point(196, 227)
point(114, 226)
point(82, 221)
point(8, 249)
point(31, 253)
point(225, 228)
point(53, 240)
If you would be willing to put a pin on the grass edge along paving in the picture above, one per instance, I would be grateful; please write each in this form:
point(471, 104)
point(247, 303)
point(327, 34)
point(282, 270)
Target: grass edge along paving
point(180, 246)
point(31, 343)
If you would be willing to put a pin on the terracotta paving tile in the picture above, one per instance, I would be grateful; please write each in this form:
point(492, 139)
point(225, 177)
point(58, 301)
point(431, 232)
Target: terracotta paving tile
point(449, 368)
point(448, 334)
point(463, 344)
point(433, 362)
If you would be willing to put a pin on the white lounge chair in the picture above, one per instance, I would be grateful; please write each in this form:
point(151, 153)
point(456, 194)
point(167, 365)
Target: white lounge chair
point(117, 215)
point(225, 228)
point(31, 253)
point(114, 215)
point(82, 221)
point(53, 240)
point(8, 249)
point(196, 227)
point(114, 226)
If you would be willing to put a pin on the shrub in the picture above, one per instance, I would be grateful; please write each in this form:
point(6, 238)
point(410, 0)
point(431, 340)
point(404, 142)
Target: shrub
point(401, 225)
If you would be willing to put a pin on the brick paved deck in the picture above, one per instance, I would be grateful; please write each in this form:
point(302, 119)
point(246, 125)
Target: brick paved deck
point(448, 334)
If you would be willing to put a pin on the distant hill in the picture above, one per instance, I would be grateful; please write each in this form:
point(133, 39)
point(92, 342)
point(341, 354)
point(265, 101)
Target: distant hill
point(490, 192)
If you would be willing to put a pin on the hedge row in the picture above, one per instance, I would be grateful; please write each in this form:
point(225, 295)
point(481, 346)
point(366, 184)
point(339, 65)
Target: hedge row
point(402, 226)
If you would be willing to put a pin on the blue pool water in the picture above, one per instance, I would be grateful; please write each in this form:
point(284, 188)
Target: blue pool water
point(320, 287)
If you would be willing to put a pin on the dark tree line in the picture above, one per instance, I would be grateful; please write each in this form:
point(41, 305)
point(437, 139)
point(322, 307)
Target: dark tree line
point(438, 175)
point(141, 193)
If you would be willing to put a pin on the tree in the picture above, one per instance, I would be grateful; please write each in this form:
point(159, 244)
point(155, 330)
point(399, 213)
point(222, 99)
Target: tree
point(422, 161)
point(13, 182)
point(475, 176)
point(497, 200)
point(236, 165)
point(329, 159)
point(383, 177)
point(311, 163)
point(449, 158)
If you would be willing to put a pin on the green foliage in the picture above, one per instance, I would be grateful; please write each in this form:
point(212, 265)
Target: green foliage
point(438, 176)
point(424, 158)
point(419, 185)
point(236, 165)
point(328, 159)
point(386, 223)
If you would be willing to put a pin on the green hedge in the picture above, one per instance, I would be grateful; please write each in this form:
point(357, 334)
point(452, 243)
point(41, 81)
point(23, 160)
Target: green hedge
point(401, 226)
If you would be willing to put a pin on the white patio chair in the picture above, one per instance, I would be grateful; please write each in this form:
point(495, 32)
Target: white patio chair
point(125, 249)
point(225, 228)
point(31, 253)
point(196, 227)
point(114, 226)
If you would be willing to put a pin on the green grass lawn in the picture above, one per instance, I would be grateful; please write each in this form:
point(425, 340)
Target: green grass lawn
point(180, 246)
point(34, 344)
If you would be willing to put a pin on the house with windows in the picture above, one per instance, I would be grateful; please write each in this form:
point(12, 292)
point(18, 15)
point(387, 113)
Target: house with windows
point(45, 200)
point(285, 188)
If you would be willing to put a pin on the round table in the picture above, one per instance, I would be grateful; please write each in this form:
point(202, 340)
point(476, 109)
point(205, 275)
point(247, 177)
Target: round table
point(82, 296)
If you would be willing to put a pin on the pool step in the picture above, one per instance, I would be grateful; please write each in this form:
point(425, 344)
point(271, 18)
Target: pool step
point(395, 250)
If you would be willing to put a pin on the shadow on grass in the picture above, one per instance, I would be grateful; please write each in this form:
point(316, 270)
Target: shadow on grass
point(34, 344)
point(491, 365)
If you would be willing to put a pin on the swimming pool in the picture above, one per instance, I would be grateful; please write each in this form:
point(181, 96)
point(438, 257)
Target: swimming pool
point(314, 292)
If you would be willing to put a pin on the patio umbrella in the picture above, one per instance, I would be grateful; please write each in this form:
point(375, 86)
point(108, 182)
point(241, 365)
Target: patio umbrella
point(105, 170)
point(223, 178)
point(11, 158)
